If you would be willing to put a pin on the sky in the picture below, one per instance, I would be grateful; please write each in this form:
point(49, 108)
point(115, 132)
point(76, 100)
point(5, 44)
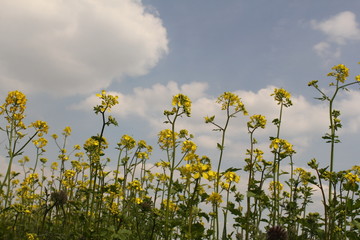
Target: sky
point(61, 53)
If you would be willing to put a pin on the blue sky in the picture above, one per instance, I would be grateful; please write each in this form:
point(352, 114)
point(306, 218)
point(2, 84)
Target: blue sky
point(60, 54)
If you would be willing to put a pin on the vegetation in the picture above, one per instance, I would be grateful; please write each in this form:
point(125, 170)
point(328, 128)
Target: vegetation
point(183, 196)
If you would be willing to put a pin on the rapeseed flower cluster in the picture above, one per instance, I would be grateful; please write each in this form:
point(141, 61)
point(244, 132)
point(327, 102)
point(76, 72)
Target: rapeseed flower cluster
point(305, 176)
point(282, 146)
point(166, 138)
point(352, 178)
point(214, 198)
point(107, 102)
point(229, 99)
point(134, 185)
point(127, 142)
point(183, 102)
point(14, 108)
point(341, 72)
point(276, 185)
point(281, 96)
point(41, 127)
point(256, 121)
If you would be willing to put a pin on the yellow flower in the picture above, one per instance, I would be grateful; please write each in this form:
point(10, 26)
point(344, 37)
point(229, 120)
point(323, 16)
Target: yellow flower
point(341, 72)
point(304, 175)
point(162, 164)
point(313, 83)
point(282, 97)
point(127, 142)
point(69, 173)
point(134, 185)
point(225, 186)
point(67, 131)
point(107, 102)
point(228, 99)
point(182, 101)
point(210, 175)
point(231, 177)
point(188, 146)
point(40, 143)
point(31, 236)
point(54, 166)
point(77, 147)
point(138, 200)
point(40, 126)
point(352, 178)
point(276, 185)
point(283, 146)
point(166, 138)
point(257, 121)
point(92, 144)
point(215, 198)
point(161, 177)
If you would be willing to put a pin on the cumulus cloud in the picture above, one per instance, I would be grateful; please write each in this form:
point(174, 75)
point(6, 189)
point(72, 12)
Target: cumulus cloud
point(76, 47)
point(324, 50)
point(339, 29)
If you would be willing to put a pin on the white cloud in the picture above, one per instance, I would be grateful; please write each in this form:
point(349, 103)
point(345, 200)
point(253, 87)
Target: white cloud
point(339, 29)
point(324, 50)
point(350, 112)
point(76, 47)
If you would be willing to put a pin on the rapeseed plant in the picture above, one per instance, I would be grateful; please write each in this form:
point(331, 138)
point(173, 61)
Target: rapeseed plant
point(180, 196)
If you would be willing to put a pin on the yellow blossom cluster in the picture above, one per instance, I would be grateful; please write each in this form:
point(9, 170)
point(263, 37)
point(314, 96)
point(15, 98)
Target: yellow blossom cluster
point(352, 178)
point(228, 99)
point(341, 72)
point(166, 138)
point(195, 170)
point(134, 185)
point(276, 185)
point(92, 144)
point(182, 101)
point(14, 108)
point(67, 131)
point(231, 177)
point(127, 142)
point(107, 101)
point(40, 143)
point(304, 175)
point(282, 96)
point(40, 126)
point(283, 147)
point(256, 121)
point(214, 198)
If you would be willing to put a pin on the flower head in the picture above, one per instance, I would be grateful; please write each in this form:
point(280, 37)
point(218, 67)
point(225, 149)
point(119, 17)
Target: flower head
point(282, 96)
point(228, 99)
point(341, 72)
point(256, 121)
point(107, 102)
point(215, 198)
point(166, 138)
point(182, 101)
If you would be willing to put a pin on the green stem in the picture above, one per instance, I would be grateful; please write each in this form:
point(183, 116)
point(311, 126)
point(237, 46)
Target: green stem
point(172, 169)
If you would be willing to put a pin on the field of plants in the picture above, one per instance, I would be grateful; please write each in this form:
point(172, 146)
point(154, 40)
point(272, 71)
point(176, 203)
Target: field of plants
point(186, 195)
